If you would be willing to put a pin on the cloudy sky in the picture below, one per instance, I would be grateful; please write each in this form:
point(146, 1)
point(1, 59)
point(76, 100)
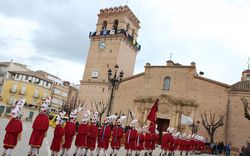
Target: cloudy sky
point(53, 35)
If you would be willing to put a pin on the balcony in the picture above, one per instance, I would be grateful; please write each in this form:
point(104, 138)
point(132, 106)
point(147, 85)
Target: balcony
point(30, 106)
point(12, 90)
point(22, 92)
point(36, 96)
point(117, 32)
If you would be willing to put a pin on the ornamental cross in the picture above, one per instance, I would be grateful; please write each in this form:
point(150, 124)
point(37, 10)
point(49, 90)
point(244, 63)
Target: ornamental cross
point(248, 63)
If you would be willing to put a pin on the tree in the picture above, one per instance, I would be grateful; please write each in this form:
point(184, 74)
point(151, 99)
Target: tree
point(211, 125)
point(68, 108)
point(100, 107)
point(246, 108)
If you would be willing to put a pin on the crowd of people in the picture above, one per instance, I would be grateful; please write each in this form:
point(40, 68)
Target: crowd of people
point(89, 137)
point(221, 148)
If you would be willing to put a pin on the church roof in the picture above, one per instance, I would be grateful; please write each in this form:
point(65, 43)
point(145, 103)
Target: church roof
point(246, 71)
point(241, 86)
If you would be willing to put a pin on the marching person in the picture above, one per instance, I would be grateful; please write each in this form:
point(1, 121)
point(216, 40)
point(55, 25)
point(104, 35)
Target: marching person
point(13, 130)
point(40, 127)
point(139, 141)
point(117, 135)
point(93, 133)
point(148, 142)
point(58, 139)
point(130, 138)
point(82, 133)
point(104, 136)
point(70, 130)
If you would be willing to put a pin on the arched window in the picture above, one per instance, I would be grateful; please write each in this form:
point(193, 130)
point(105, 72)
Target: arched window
point(166, 83)
point(115, 24)
point(104, 25)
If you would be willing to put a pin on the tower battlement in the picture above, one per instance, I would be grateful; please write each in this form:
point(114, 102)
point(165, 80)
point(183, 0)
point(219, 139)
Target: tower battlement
point(122, 10)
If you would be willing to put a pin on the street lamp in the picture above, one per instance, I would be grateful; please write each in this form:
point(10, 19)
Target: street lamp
point(194, 127)
point(114, 82)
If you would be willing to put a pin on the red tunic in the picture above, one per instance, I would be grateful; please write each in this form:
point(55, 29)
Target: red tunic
point(70, 130)
point(13, 128)
point(91, 139)
point(57, 139)
point(130, 139)
point(139, 142)
point(148, 141)
point(155, 138)
point(104, 136)
point(116, 137)
point(164, 141)
point(81, 137)
point(40, 127)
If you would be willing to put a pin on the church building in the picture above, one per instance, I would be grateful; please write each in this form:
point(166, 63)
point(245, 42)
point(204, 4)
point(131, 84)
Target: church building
point(179, 88)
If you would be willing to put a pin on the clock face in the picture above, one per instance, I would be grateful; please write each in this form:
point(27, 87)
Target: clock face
point(102, 45)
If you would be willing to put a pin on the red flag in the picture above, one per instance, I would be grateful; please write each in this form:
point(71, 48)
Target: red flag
point(152, 114)
point(152, 127)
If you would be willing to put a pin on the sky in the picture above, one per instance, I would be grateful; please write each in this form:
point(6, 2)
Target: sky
point(53, 35)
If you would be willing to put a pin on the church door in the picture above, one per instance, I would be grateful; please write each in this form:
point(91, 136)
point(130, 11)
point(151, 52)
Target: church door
point(162, 126)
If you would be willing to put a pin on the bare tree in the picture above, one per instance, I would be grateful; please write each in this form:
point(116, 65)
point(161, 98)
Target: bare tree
point(100, 107)
point(68, 108)
point(211, 125)
point(246, 108)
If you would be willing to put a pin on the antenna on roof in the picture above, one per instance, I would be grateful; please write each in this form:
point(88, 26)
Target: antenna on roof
point(171, 55)
point(248, 63)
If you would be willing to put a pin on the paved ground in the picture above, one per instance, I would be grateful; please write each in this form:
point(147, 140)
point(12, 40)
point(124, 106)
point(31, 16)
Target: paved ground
point(22, 148)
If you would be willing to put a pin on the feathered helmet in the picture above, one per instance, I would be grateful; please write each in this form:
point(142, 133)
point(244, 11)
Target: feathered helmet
point(86, 117)
point(73, 114)
point(45, 105)
point(177, 134)
point(94, 117)
point(16, 112)
point(112, 118)
point(60, 118)
point(133, 123)
point(121, 120)
point(106, 120)
point(145, 129)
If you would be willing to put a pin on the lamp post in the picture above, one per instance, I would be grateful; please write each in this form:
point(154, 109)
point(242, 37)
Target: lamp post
point(194, 127)
point(114, 81)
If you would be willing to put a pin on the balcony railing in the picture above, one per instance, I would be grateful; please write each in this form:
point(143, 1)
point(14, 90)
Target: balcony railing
point(22, 92)
point(30, 106)
point(12, 90)
point(114, 32)
point(36, 96)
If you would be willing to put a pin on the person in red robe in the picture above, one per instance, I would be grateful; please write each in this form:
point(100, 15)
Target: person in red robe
point(40, 127)
point(139, 141)
point(69, 131)
point(117, 135)
point(13, 130)
point(104, 136)
point(130, 138)
point(93, 133)
point(82, 134)
point(147, 141)
point(58, 138)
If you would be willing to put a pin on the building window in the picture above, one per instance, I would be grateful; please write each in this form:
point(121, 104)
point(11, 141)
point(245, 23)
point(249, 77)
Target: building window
point(248, 77)
point(115, 25)
point(104, 25)
point(8, 110)
point(127, 27)
point(36, 95)
point(23, 90)
point(166, 83)
point(14, 88)
point(95, 73)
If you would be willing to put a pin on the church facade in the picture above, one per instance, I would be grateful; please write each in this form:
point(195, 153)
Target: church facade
point(179, 88)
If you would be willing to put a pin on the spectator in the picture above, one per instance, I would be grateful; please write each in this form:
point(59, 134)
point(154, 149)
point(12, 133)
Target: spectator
point(241, 150)
point(246, 150)
point(228, 149)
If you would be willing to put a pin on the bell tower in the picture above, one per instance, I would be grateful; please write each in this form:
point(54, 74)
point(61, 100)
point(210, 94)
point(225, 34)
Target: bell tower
point(114, 42)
